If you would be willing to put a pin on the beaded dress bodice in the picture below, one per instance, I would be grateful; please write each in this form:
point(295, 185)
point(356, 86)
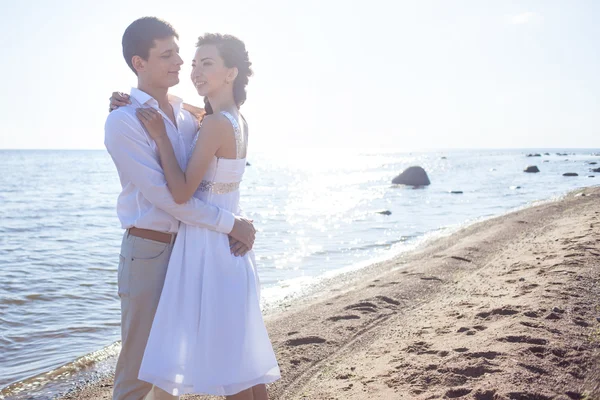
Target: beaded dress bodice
point(224, 175)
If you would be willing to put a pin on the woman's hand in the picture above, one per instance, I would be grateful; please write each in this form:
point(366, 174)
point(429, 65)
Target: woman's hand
point(117, 100)
point(153, 122)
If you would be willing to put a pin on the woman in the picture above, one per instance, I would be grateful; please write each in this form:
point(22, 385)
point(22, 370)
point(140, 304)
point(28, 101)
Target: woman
point(208, 335)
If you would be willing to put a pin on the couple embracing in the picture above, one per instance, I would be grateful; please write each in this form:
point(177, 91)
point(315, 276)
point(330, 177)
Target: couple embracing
point(187, 279)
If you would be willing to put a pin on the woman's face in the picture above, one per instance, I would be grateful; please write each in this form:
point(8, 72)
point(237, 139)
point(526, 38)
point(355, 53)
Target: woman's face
point(209, 73)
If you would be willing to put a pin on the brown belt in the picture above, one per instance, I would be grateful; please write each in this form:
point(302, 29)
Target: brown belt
point(162, 237)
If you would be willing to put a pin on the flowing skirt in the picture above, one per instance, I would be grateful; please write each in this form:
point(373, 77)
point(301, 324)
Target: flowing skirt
point(208, 334)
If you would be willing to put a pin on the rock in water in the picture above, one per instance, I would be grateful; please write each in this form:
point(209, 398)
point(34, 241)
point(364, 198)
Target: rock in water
point(531, 169)
point(570, 174)
point(384, 212)
point(412, 176)
point(247, 164)
point(534, 155)
point(595, 169)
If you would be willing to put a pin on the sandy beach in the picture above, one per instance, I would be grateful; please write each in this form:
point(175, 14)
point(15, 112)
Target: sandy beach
point(503, 309)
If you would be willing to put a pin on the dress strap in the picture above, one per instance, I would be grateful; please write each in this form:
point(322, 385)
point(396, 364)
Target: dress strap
point(239, 140)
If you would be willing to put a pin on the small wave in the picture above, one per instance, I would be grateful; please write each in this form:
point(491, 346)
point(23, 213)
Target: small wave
point(60, 379)
point(381, 245)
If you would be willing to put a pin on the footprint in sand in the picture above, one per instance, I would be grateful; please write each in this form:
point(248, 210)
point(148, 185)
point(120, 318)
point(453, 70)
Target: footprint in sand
point(461, 259)
point(497, 311)
point(531, 324)
point(523, 339)
point(420, 348)
point(489, 355)
point(305, 340)
point(575, 395)
point(538, 351)
point(298, 361)
point(553, 316)
point(343, 317)
point(363, 306)
point(485, 395)
point(527, 396)
point(431, 278)
point(475, 371)
point(579, 321)
point(388, 300)
point(458, 392)
point(534, 369)
point(531, 314)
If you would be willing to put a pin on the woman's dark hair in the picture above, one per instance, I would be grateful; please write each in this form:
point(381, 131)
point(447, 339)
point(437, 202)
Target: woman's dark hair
point(234, 54)
point(139, 37)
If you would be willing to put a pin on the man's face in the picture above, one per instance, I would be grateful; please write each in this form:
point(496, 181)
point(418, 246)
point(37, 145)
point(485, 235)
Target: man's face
point(163, 64)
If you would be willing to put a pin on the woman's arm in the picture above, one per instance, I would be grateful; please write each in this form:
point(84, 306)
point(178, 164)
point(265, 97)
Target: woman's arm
point(184, 184)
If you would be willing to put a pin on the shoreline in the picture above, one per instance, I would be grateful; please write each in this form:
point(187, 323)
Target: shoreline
point(470, 315)
point(362, 321)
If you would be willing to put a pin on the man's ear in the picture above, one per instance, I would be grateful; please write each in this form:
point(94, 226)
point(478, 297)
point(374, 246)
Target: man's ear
point(138, 63)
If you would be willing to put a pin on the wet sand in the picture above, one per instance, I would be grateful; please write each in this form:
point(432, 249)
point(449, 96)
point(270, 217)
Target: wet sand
point(504, 309)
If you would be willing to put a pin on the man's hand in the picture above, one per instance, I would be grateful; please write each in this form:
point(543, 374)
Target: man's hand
point(243, 231)
point(117, 100)
point(237, 248)
point(195, 111)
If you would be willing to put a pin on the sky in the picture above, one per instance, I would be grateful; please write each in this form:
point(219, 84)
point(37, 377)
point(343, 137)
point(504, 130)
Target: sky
point(328, 74)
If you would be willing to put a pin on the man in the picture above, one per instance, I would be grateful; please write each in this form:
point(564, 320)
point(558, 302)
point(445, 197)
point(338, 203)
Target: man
point(145, 206)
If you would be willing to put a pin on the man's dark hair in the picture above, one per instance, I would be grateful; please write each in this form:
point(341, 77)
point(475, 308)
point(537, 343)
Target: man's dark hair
point(139, 37)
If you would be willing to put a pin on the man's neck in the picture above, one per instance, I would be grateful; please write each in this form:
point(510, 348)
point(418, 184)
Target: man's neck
point(159, 94)
point(162, 97)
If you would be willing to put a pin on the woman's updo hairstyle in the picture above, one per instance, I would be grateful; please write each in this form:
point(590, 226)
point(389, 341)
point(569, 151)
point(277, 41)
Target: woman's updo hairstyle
point(234, 54)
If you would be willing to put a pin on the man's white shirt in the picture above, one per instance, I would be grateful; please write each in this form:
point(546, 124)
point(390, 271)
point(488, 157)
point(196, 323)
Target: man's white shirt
point(145, 201)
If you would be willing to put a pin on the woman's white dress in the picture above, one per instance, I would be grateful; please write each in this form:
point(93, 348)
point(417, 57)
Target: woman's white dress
point(208, 334)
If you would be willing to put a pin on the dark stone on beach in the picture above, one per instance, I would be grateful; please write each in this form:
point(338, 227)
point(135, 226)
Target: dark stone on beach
point(516, 187)
point(591, 176)
point(443, 158)
point(456, 192)
point(562, 154)
point(570, 174)
point(595, 169)
point(412, 176)
point(531, 169)
point(247, 164)
point(534, 155)
point(592, 162)
point(546, 161)
point(384, 212)
point(546, 154)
